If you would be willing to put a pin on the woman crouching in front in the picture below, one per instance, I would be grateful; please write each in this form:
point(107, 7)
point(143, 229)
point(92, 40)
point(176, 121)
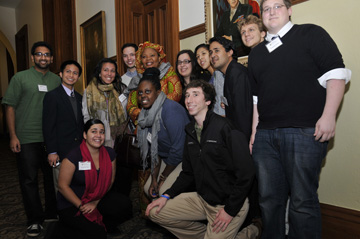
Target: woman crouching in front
point(87, 209)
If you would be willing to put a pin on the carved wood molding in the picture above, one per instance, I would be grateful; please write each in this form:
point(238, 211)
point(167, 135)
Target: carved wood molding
point(293, 2)
point(146, 2)
point(192, 31)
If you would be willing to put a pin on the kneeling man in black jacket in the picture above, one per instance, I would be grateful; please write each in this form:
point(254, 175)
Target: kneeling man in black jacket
point(217, 161)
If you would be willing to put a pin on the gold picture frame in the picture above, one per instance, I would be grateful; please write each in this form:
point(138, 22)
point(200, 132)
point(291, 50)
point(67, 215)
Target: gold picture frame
point(93, 44)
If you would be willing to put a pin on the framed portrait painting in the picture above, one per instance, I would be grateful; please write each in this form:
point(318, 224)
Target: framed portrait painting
point(93, 44)
point(215, 9)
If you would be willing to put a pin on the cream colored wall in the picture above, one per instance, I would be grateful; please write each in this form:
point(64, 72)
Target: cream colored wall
point(191, 8)
point(340, 177)
point(8, 24)
point(30, 12)
point(192, 42)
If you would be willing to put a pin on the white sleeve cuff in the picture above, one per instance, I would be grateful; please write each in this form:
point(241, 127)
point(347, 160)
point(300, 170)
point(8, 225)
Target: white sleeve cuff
point(335, 74)
point(255, 99)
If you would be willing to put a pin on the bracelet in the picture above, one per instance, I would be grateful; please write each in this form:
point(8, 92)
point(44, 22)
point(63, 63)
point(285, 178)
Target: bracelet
point(164, 196)
point(80, 206)
point(162, 177)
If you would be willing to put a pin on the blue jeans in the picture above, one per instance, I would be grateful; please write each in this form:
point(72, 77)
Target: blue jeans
point(288, 162)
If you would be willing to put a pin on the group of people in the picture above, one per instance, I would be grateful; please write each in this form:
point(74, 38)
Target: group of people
point(228, 146)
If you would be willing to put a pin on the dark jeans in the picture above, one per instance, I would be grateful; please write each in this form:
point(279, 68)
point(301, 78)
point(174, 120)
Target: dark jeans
point(115, 209)
point(31, 158)
point(288, 162)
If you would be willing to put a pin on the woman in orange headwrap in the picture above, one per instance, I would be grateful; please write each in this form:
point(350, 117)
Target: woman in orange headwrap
point(152, 55)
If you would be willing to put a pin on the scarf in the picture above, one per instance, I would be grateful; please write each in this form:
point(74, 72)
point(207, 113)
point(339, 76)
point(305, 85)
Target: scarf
point(150, 118)
point(142, 46)
point(96, 187)
point(163, 68)
point(96, 99)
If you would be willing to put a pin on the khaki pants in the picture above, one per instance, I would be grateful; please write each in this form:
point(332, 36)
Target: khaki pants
point(168, 182)
point(181, 216)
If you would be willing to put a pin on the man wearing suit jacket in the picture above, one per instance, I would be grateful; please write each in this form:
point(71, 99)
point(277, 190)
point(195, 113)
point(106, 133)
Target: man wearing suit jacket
point(228, 24)
point(237, 89)
point(238, 108)
point(62, 117)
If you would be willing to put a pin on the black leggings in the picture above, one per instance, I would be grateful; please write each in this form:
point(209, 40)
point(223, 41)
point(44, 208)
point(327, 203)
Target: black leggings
point(115, 209)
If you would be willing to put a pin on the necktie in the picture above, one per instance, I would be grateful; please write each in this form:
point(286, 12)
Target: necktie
point(72, 94)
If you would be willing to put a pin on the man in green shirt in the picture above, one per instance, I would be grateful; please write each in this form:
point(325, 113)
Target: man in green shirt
point(24, 102)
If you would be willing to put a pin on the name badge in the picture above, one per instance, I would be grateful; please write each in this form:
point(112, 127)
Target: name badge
point(148, 137)
point(84, 165)
point(271, 46)
point(43, 88)
point(224, 100)
point(122, 97)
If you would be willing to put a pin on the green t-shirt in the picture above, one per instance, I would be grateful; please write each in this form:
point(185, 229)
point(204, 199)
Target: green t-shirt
point(25, 93)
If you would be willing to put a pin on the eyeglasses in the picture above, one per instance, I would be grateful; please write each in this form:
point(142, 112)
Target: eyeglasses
point(39, 54)
point(184, 61)
point(274, 8)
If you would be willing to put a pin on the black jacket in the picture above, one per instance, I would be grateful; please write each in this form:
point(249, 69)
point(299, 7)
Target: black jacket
point(237, 91)
point(62, 132)
point(220, 165)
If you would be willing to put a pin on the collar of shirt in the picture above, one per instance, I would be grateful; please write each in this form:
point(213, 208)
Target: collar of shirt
point(131, 73)
point(67, 90)
point(281, 33)
point(233, 11)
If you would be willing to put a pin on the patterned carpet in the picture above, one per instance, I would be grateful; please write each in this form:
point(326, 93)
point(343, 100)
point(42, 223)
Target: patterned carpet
point(13, 218)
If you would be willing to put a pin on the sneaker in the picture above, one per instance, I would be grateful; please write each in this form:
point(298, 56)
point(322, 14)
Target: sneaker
point(34, 230)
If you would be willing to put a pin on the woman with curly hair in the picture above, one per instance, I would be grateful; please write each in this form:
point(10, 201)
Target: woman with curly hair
point(152, 55)
point(101, 100)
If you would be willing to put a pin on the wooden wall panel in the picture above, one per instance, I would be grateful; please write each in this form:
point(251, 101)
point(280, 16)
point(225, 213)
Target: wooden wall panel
point(340, 223)
point(159, 24)
point(59, 23)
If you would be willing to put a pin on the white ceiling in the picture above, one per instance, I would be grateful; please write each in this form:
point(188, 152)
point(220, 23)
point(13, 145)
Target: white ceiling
point(9, 3)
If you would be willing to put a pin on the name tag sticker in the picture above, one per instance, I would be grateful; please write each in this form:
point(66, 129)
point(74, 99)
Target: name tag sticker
point(271, 46)
point(43, 88)
point(148, 137)
point(84, 166)
point(122, 97)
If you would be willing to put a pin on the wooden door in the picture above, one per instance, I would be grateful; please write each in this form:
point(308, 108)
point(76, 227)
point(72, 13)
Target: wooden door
point(156, 21)
point(59, 23)
point(22, 49)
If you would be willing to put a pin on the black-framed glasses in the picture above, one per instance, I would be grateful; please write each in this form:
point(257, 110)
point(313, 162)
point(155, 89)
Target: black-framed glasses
point(39, 54)
point(183, 62)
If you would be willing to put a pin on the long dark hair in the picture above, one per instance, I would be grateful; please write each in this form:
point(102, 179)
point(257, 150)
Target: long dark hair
point(196, 70)
point(118, 85)
point(204, 73)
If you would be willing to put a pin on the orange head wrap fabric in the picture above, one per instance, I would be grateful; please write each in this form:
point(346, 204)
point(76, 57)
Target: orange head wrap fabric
point(158, 48)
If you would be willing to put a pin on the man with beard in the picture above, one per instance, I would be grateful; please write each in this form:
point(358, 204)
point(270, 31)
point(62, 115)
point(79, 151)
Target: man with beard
point(24, 101)
point(128, 53)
